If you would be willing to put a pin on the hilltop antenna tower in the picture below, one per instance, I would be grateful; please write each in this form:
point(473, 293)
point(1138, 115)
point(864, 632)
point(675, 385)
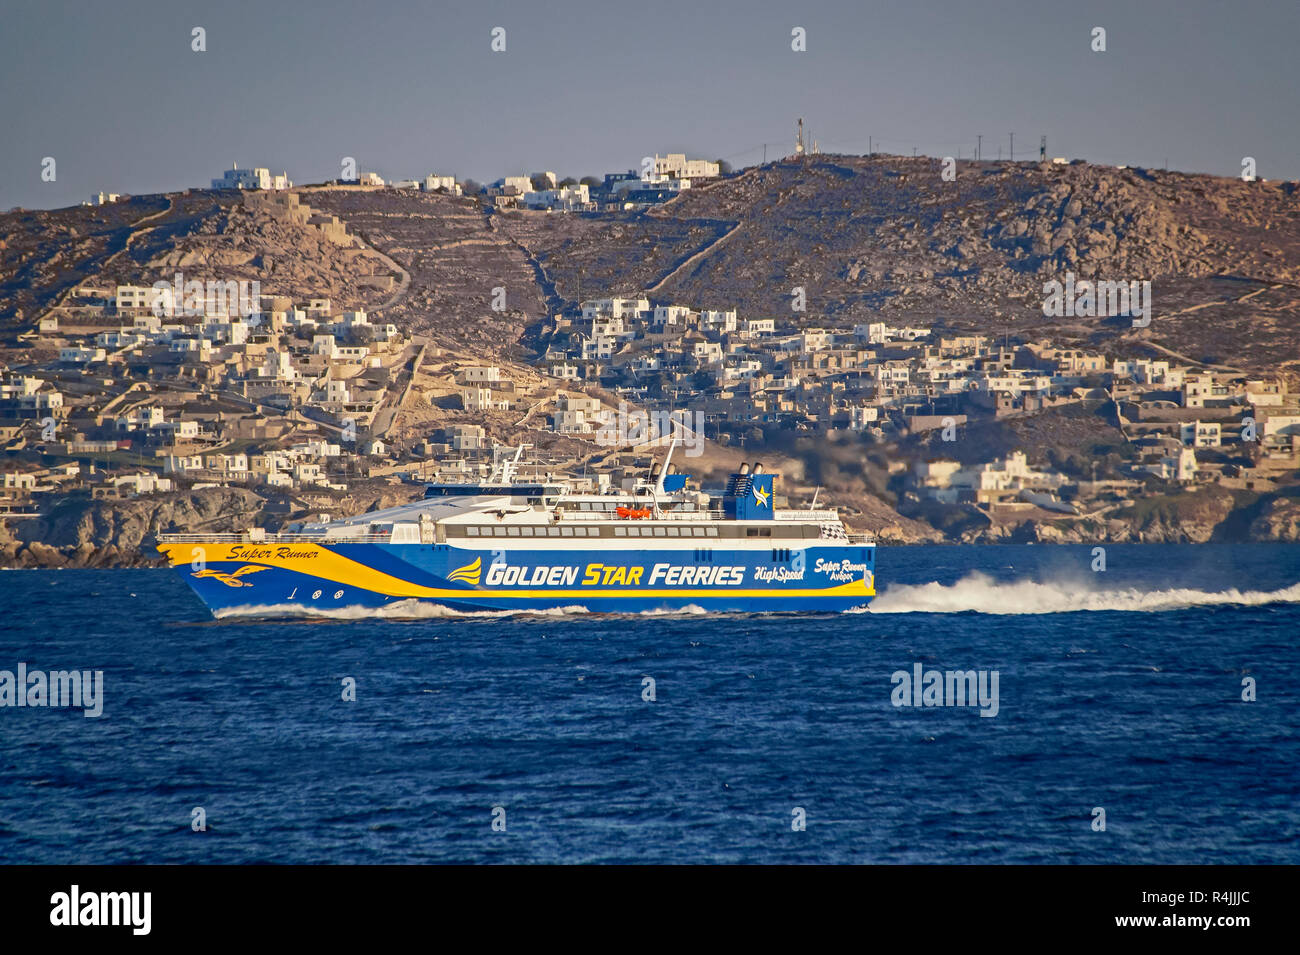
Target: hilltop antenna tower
point(1042, 149)
point(798, 142)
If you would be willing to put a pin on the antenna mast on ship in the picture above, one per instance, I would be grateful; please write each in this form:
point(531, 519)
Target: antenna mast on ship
point(504, 470)
point(663, 471)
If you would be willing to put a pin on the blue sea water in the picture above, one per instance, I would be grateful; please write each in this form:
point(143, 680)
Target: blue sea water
point(1119, 690)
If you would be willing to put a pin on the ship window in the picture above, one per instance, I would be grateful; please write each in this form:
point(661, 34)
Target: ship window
point(526, 531)
point(471, 532)
point(566, 531)
point(712, 532)
point(552, 532)
point(585, 505)
point(512, 531)
point(698, 531)
point(620, 532)
point(672, 532)
point(659, 532)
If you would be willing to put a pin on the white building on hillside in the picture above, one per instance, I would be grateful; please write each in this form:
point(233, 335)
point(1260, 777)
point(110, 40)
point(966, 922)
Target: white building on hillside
point(257, 178)
point(433, 183)
point(679, 167)
point(157, 299)
point(1201, 434)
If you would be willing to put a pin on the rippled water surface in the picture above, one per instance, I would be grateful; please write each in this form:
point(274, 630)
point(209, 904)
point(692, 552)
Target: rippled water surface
point(1119, 690)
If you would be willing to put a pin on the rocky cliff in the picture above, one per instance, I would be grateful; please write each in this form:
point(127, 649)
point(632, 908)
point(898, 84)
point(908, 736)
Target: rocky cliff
point(79, 532)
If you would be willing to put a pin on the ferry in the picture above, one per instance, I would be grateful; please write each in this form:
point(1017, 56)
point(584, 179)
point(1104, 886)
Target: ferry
point(511, 545)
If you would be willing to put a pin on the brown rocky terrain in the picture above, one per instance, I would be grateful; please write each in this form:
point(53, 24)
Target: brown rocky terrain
point(204, 235)
point(46, 253)
point(287, 256)
point(79, 532)
point(456, 256)
point(885, 238)
point(869, 239)
point(879, 238)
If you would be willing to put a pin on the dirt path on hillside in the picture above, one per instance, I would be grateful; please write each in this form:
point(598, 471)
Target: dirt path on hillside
point(697, 257)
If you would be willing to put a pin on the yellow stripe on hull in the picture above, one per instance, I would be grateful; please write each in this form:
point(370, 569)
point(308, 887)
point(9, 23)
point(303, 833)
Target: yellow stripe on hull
point(316, 561)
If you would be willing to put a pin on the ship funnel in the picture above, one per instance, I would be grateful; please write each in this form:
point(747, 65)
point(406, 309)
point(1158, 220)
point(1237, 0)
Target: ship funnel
point(744, 467)
point(758, 468)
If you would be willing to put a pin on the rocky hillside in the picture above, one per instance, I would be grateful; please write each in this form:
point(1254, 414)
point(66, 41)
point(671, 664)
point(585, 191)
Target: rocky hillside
point(288, 257)
point(456, 257)
point(867, 239)
point(873, 238)
point(887, 238)
point(79, 532)
point(204, 235)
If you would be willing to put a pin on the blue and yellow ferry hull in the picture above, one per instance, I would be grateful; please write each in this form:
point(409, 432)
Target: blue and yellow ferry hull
point(274, 577)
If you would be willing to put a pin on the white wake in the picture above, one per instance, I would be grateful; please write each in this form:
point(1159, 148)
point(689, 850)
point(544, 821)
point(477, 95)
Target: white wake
point(979, 593)
point(397, 610)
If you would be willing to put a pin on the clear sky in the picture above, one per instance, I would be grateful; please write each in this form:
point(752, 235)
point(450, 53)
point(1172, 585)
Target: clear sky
point(114, 92)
